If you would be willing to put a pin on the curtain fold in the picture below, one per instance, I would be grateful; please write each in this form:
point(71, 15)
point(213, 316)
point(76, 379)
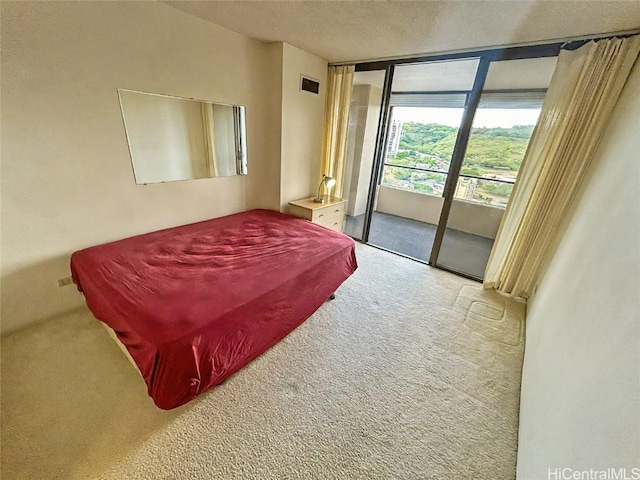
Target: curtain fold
point(583, 92)
point(336, 123)
point(209, 138)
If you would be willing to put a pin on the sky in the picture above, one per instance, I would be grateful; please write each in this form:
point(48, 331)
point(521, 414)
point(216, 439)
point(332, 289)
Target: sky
point(485, 117)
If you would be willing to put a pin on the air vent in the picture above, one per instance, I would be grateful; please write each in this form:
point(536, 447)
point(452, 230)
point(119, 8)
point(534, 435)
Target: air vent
point(309, 85)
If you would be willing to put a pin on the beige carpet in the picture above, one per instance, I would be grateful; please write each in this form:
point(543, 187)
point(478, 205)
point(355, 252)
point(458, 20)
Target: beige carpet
point(410, 373)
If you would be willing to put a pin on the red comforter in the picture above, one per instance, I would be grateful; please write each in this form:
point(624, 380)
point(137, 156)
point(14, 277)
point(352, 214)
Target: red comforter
point(195, 303)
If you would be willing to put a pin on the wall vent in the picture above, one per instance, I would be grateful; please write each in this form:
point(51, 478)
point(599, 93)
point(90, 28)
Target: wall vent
point(309, 84)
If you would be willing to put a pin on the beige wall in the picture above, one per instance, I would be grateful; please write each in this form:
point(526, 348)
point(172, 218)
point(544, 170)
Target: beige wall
point(465, 216)
point(302, 123)
point(263, 181)
point(581, 375)
point(67, 180)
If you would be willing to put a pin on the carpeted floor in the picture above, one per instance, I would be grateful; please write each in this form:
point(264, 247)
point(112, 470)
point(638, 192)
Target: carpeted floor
point(410, 373)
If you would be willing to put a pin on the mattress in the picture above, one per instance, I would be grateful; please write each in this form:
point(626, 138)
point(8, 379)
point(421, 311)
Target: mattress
point(195, 303)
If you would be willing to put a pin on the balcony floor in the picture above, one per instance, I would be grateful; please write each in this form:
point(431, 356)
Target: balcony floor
point(460, 251)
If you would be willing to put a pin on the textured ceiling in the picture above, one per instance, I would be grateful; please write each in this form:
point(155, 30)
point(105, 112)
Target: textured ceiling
point(345, 31)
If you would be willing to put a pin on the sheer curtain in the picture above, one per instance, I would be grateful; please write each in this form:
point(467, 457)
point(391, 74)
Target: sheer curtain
point(336, 122)
point(583, 91)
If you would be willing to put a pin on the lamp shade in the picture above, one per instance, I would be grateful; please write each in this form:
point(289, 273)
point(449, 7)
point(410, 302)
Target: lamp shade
point(328, 182)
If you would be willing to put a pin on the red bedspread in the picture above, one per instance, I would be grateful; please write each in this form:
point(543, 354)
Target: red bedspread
point(195, 303)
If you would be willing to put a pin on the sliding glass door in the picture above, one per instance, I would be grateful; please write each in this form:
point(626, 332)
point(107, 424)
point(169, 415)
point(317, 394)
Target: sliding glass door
point(426, 106)
point(364, 116)
point(507, 113)
point(435, 147)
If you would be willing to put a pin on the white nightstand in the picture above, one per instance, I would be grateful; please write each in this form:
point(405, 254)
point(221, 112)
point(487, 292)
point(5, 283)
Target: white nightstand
point(329, 214)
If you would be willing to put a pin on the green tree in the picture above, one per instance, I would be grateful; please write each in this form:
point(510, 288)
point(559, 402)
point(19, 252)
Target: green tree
point(488, 148)
point(500, 189)
point(401, 173)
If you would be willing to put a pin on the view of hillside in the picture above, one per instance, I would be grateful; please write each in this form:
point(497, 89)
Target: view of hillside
point(492, 153)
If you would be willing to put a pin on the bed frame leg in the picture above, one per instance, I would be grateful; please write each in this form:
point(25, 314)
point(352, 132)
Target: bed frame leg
point(332, 296)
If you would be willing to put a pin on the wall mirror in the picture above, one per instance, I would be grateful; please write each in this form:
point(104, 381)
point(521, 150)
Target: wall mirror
point(174, 138)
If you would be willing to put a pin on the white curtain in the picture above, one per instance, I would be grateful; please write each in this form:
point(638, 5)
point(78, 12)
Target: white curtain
point(336, 122)
point(583, 91)
point(209, 138)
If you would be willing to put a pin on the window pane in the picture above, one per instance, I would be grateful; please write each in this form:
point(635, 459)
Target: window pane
point(509, 106)
point(366, 98)
point(415, 180)
point(483, 191)
point(497, 145)
point(422, 138)
point(427, 103)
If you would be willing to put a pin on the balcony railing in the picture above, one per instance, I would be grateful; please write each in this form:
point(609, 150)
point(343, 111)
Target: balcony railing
point(474, 188)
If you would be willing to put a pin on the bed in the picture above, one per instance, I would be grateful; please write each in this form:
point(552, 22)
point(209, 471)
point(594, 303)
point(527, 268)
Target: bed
point(195, 303)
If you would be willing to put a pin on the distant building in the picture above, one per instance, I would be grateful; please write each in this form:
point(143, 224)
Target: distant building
point(395, 134)
point(466, 188)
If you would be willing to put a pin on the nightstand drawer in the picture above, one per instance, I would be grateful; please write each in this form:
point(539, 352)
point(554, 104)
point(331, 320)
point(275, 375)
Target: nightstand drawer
point(334, 223)
point(327, 212)
point(330, 214)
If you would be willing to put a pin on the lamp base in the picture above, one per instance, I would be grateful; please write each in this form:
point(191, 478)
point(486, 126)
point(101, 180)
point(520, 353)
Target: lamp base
point(319, 200)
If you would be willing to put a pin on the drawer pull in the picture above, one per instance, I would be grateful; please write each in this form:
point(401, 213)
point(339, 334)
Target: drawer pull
point(337, 210)
point(321, 215)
